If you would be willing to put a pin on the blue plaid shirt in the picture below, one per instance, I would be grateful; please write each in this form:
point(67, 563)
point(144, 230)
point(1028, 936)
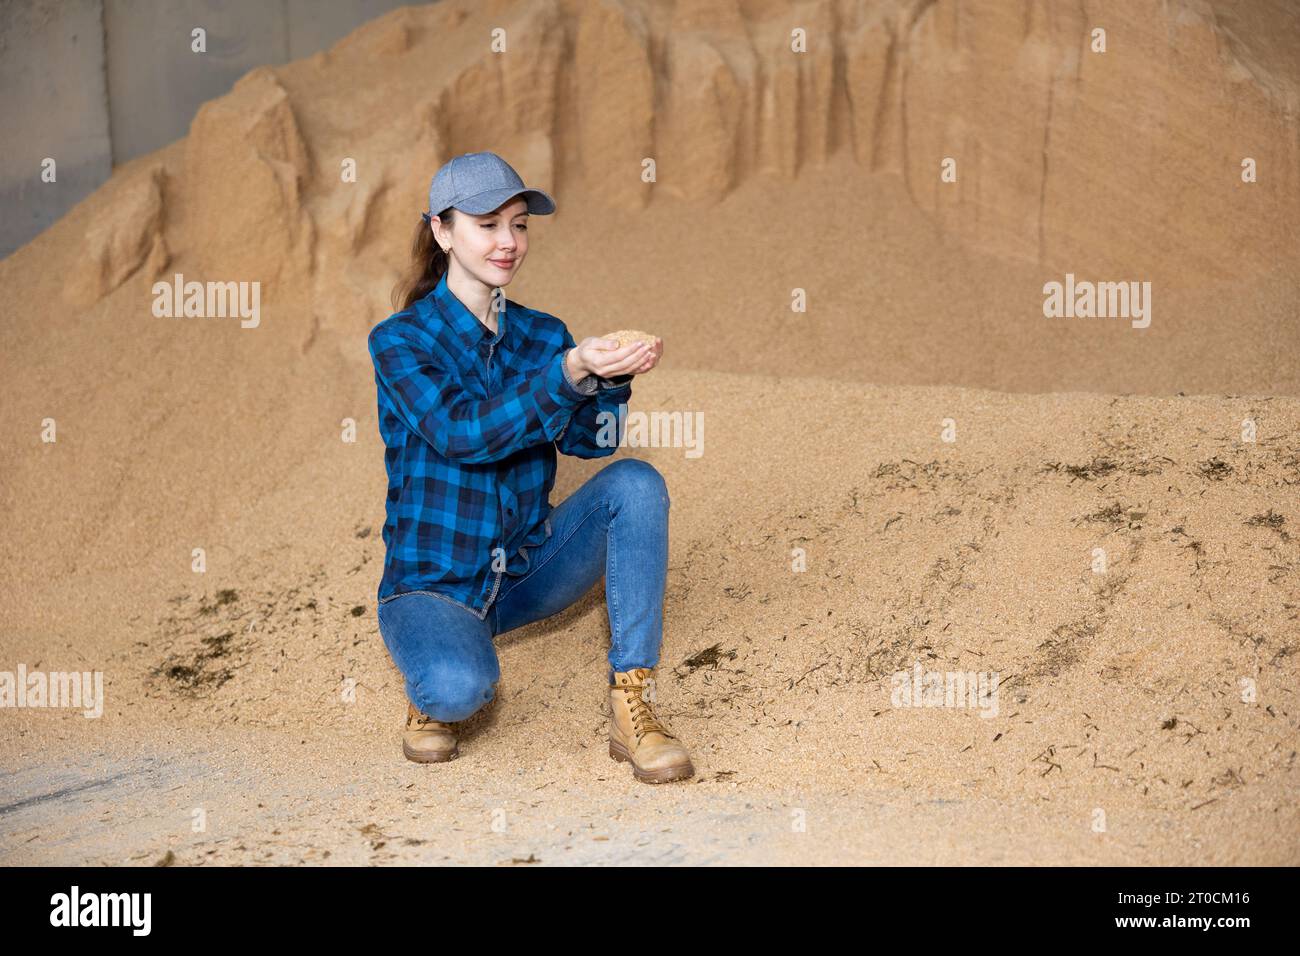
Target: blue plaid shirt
point(471, 422)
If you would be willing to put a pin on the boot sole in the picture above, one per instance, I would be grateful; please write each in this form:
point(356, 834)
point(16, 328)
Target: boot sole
point(666, 775)
point(425, 757)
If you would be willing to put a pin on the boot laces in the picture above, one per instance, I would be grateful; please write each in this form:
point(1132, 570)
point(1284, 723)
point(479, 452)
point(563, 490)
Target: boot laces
point(641, 702)
point(423, 719)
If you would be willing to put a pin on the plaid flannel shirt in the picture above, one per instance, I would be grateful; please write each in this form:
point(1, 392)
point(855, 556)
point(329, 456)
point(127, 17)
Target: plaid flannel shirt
point(471, 422)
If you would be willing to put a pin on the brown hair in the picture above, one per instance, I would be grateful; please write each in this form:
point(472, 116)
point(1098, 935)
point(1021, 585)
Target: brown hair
point(428, 263)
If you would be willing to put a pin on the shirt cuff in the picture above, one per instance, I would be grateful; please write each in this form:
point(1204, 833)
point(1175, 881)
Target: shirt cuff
point(617, 381)
point(587, 385)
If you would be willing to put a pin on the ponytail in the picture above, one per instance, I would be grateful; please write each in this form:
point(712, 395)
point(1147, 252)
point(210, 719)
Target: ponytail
point(428, 264)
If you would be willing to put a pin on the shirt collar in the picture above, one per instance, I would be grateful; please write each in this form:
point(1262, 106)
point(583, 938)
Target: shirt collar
point(471, 331)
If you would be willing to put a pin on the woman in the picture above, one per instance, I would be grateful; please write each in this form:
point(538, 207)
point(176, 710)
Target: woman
point(476, 394)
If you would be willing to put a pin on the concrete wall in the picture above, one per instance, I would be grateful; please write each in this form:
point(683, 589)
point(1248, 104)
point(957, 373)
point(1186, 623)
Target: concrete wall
point(94, 83)
point(53, 103)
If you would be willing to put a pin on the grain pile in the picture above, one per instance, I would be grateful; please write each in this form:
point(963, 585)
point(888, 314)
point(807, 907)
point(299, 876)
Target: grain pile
point(915, 469)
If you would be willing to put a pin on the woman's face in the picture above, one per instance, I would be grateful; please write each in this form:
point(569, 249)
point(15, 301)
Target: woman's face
point(491, 247)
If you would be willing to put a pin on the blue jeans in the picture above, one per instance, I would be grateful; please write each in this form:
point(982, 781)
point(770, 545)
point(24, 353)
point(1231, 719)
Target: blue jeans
point(615, 525)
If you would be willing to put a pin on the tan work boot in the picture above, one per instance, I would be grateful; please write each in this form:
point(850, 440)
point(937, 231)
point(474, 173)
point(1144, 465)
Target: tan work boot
point(638, 736)
point(426, 740)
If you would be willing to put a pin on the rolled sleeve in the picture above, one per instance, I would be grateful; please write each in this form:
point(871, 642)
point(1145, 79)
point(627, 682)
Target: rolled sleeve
point(585, 386)
point(617, 381)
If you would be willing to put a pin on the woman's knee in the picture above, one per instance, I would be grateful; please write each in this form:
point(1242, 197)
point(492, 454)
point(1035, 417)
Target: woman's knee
point(453, 691)
point(639, 480)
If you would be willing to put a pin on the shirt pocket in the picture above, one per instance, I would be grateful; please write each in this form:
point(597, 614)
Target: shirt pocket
point(527, 363)
point(471, 372)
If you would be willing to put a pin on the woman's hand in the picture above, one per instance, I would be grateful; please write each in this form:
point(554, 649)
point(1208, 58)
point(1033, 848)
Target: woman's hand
point(602, 357)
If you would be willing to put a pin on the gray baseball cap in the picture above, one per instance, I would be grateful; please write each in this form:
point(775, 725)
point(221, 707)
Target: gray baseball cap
point(478, 183)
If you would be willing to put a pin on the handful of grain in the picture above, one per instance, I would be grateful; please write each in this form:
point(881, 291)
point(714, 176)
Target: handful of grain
point(628, 336)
